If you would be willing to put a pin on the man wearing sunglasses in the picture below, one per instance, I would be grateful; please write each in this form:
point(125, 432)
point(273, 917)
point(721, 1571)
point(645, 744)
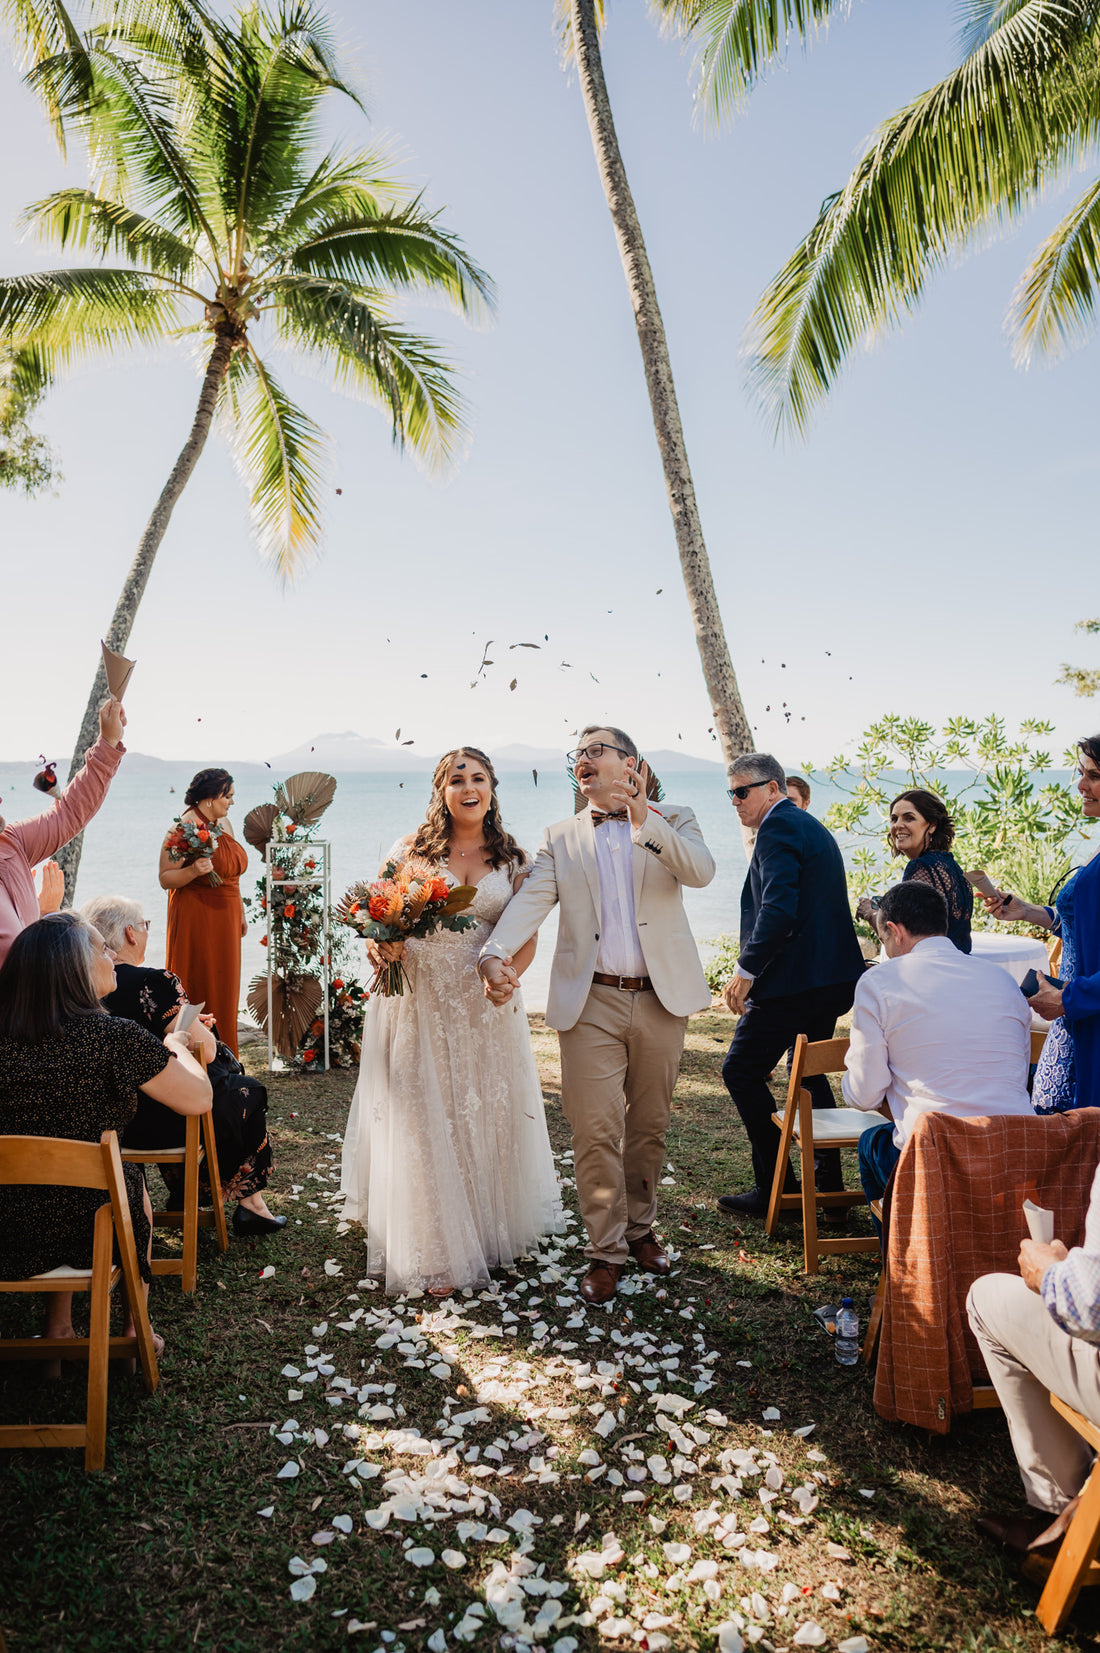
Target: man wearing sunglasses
point(625, 978)
point(798, 965)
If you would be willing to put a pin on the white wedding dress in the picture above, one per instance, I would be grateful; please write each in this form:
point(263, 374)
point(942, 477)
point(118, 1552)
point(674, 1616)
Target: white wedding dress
point(447, 1161)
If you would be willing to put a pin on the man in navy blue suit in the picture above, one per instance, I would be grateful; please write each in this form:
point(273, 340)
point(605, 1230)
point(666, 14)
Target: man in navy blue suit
point(798, 965)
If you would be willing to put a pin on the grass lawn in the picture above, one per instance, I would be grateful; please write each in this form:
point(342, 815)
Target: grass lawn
point(507, 1469)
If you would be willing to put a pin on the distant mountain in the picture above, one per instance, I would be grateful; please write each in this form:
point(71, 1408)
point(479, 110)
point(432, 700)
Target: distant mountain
point(349, 752)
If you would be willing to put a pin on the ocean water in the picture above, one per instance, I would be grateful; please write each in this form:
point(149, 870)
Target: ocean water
point(369, 812)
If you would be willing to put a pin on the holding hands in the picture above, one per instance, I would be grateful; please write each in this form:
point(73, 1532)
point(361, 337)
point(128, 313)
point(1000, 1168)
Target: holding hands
point(500, 978)
point(630, 794)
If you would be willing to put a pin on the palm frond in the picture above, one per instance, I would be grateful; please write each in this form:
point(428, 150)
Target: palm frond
point(279, 453)
point(80, 218)
point(349, 337)
point(404, 249)
point(353, 185)
point(963, 159)
point(979, 20)
point(44, 31)
point(71, 316)
point(735, 42)
point(1055, 304)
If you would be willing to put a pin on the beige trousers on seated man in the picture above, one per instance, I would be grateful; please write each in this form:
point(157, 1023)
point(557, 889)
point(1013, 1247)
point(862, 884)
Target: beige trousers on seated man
point(1028, 1355)
point(619, 1065)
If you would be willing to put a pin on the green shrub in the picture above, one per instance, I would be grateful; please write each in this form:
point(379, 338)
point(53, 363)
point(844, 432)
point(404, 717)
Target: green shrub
point(719, 966)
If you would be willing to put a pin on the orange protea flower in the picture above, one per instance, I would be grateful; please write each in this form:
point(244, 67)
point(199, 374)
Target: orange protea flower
point(419, 896)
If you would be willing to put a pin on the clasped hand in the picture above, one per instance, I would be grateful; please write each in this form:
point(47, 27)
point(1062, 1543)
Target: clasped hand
point(500, 979)
point(385, 952)
point(1035, 1258)
point(630, 794)
point(112, 721)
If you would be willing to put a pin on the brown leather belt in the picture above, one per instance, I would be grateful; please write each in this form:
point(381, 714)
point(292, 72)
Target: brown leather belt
point(625, 984)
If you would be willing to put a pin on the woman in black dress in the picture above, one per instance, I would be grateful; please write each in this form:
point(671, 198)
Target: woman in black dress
point(152, 998)
point(923, 831)
point(68, 1069)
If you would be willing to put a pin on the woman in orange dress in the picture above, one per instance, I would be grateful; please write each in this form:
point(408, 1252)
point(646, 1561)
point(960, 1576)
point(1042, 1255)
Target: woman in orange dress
point(206, 921)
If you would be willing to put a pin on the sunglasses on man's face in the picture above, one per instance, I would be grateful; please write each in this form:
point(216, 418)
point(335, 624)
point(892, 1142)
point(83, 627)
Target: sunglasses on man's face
point(742, 792)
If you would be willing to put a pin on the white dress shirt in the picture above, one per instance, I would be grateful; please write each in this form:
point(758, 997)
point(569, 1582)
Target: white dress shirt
point(620, 951)
point(938, 1031)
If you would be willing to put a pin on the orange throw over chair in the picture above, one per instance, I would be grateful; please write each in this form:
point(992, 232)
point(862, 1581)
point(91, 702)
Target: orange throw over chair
point(57, 1160)
point(956, 1212)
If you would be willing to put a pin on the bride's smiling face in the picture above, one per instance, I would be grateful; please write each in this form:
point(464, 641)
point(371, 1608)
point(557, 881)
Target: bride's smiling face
point(467, 791)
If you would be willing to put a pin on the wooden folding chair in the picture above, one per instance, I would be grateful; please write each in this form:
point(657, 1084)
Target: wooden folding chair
point(198, 1143)
point(815, 1128)
point(1054, 955)
point(59, 1162)
point(874, 1321)
point(1075, 1565)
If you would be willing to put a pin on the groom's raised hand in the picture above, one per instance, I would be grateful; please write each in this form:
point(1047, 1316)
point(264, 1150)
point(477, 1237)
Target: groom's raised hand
point(500, 979)
point(630, 794)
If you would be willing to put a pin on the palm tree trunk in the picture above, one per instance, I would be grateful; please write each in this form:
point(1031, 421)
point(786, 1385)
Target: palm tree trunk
point(730, 722)
point(137, 579)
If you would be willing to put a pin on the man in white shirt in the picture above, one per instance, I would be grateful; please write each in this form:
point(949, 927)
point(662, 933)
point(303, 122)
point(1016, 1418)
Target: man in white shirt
point(933, 1031)
point(626, 976)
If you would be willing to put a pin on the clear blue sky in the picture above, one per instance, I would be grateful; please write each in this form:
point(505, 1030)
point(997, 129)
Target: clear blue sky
point(927, 551)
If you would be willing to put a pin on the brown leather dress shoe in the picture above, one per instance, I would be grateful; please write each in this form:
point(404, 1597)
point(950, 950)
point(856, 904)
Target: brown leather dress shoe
point(1034, 1532)
point(647, 1253)
point(601, 1282)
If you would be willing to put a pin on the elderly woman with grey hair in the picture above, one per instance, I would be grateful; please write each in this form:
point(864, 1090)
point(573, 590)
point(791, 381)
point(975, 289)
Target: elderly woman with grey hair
point(152, 998)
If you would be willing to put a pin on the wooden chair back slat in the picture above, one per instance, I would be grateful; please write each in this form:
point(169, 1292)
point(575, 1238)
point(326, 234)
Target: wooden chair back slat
point(35, 1160)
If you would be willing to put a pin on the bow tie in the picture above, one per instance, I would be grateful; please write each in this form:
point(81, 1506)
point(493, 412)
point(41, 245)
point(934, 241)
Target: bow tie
point(599, 816)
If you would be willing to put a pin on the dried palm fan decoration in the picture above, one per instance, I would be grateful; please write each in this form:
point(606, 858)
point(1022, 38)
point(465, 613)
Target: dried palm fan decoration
point(654, 791)
point(304, 798)
point(258, 825)
point(294, 1005)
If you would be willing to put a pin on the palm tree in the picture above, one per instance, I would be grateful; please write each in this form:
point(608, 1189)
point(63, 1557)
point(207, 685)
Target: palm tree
point(735, 42)
point(215, 218)
point(967, 157)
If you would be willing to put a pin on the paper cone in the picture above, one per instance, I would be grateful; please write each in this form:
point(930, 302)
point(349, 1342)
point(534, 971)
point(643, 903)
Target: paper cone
point(1040, 1222)
point(188, 1016)
point(119, 671)
point(981, 881)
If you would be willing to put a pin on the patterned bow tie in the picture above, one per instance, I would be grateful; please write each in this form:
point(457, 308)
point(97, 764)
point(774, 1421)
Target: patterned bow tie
point(599, 817)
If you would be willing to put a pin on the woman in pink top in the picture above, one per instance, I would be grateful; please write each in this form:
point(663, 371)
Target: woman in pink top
point(24, 843)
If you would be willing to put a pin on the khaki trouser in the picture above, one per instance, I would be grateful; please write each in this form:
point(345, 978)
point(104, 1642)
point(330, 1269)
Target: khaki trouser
point(1028, 1355)
point(619, 1066)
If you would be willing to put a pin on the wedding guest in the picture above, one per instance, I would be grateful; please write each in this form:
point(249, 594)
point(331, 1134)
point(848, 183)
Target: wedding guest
point(933, 1031)
point(626, 977)
point(923, 831)
point(153, 999)
point(797, 969)
point(206, 922)
point(447, 1162)
point(1055, 1087)
point(1038, 1335)
point(24, 843)
point(1077, 1002)
point(69, 1069)
point(798, 791)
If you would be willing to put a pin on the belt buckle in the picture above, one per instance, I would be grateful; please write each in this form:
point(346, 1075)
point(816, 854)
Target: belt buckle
point(623, 988)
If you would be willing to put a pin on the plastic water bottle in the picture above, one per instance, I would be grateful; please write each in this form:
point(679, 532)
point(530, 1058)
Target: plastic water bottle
point(847, 1333)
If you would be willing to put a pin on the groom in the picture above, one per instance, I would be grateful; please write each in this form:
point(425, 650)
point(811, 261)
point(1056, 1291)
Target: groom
point(626, 976)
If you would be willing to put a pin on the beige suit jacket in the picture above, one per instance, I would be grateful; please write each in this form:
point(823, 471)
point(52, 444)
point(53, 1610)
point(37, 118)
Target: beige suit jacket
point(566, 874)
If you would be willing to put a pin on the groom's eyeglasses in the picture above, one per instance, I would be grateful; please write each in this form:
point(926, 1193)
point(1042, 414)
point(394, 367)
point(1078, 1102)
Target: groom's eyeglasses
point(742, 792)
point(593, 752)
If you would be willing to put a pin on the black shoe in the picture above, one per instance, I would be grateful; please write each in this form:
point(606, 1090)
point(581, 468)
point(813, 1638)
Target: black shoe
point(753, 1203)
point(247, 1222)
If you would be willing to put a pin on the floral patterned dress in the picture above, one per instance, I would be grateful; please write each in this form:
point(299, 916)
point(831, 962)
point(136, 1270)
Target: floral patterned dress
point(447, 1161)
point(1055, 1086)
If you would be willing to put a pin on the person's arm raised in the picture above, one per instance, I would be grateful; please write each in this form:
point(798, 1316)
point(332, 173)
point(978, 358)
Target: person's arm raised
point(182, 1085)
point(43, 835)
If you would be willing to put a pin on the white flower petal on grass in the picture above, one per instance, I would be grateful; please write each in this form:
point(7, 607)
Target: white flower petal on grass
point(437, 1641)
point(809, 1635)
point(440, 1370)
point(566, 1644)
point(268, 1512)
point(729, 1638)
point(323, 1537)
point(806, 1430)
point(453, 1559)
point(289, 1470)
point(838, 1552)
point(302, 1588)
point(772, 1414)
point(854, 1644)
point(657, 1524)
point(332, 1267)
point(319, 1331)
point(702, 1570)
point(420, 1556)
point(677, 1553)
point(342, 1523)
point(355, 1625)
point(656, 1621)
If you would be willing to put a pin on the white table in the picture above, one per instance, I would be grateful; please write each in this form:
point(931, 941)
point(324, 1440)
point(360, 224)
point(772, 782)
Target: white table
point(1016, 954)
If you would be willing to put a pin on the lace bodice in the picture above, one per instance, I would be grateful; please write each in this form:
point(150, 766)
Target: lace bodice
point(943, 872)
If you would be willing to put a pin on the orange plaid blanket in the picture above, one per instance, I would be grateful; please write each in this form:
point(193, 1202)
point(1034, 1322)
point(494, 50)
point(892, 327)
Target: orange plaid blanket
point(956, 1213)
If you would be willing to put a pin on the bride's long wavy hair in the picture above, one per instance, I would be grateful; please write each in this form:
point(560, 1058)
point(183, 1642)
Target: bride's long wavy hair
point(433, 836)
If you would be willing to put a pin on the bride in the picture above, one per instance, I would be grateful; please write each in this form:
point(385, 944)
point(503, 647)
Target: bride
point(447, 1161)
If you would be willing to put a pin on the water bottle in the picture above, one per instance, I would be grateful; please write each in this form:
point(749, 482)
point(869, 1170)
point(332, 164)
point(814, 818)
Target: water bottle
point(847, 1333)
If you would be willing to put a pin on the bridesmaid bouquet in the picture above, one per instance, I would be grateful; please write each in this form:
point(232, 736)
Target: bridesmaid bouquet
point(408, 900)
point(188, 843)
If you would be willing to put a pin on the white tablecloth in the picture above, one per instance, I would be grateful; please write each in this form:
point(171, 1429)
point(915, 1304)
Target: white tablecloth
point(1016, 954)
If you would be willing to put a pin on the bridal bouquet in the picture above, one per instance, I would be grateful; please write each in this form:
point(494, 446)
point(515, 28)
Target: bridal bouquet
point(409, 900)
point(188, 842)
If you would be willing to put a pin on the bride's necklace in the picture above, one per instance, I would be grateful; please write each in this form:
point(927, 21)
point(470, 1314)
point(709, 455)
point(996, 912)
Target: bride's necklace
point(463, 853)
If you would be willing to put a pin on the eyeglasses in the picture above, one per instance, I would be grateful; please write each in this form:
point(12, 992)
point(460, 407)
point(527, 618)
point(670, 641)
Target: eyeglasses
point(146, 924)
point(742, 792)
point(593, 752)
